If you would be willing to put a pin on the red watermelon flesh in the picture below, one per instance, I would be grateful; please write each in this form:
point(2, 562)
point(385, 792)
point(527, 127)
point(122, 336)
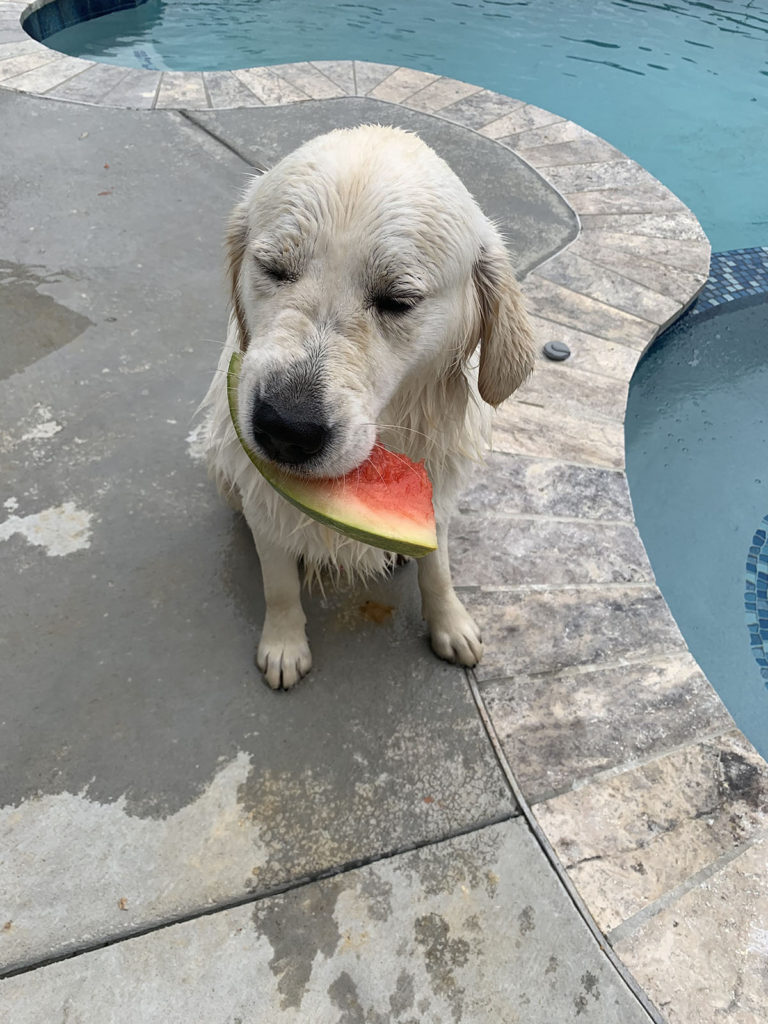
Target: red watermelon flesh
point(385, 502)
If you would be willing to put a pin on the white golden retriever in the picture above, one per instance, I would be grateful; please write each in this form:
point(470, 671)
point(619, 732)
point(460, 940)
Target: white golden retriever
point(363, 278)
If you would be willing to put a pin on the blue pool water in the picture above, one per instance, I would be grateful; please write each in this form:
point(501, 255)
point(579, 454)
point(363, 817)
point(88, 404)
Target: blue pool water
point(681, 87)
point(697, 463)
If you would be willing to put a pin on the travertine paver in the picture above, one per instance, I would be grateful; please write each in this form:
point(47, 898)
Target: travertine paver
point(310, 80)
point(138, 90)
point(665, 278)
point(677, 226)
point(566, 727)
point(342, 72)
point(589, 353)
point(12, 68)
point(518, 120)
point(440, 94)
point(523, 428)
point(269, 87)
point(475, 929)
point(25, 45)
point(680, 254)
point(578, 392)
point(547, 488)
point(224, 90)
point(401, 84)
point(574, 151)
point(610, 287)
point(515, 551)
point(91, 85)
point(368, 75)
point(702, 953)
point(588, 314)
point(620, 172)
point(673, 816)
point(542, 630)
point(179, 89)
point(481, 109)
point(49, 74)
point(550, 134)
point(649, 198)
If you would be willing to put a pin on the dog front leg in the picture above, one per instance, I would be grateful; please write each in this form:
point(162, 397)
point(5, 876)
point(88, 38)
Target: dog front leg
point(452, 630)
point(283, 654)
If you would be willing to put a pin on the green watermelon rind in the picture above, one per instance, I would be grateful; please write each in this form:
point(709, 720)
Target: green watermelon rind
point(282, 482)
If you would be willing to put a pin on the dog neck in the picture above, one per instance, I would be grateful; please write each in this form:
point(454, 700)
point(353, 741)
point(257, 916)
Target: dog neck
point(437, 415)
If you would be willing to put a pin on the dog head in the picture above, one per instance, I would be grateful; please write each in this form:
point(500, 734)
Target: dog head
point(360, 265)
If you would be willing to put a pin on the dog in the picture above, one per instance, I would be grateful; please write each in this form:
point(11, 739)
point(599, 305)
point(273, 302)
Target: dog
point(372, 300)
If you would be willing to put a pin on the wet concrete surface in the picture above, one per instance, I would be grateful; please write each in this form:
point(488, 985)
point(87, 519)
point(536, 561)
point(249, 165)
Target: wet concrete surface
point(33, 323)
point(146, 774)
point(132, 600)
point(450, 933)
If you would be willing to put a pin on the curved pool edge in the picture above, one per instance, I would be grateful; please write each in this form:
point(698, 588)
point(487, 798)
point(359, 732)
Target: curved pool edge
point(651, 799)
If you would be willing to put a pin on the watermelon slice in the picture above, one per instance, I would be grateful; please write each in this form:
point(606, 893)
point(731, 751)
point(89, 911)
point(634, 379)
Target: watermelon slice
point(385, 502)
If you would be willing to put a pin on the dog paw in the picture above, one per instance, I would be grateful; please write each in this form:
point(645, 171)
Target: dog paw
point(455, 636)
point(284, 663)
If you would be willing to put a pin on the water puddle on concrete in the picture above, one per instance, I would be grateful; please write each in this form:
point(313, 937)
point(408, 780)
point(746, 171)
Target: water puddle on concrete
point(32, 324)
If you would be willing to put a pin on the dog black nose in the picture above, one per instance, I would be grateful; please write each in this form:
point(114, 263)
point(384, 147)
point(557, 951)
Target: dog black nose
point(289, 434)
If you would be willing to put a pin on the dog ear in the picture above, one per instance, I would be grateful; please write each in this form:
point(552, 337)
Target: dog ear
point(504, 332)
point(236, 242)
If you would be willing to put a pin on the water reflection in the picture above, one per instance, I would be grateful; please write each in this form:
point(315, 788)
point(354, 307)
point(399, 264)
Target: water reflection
point(211, 35)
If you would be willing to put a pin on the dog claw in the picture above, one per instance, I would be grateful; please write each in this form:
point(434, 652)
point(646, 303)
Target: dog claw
point(284, 666)
point(456, 638)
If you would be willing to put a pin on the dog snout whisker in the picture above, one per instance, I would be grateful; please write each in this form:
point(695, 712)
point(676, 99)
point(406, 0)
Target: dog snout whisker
point(288, 435)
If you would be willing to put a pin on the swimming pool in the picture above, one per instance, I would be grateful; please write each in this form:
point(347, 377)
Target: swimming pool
point(696, 442)
point(680, 87)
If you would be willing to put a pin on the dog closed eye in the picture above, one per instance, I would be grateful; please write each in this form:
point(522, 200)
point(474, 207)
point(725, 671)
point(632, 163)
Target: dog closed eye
point(278, 272)
point(395, 305)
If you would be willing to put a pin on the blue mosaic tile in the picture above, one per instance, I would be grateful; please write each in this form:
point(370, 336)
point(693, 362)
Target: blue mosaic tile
point(756, 599)
point(735, 274)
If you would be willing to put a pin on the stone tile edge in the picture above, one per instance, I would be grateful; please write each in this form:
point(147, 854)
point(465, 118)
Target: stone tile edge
point(629, 926)
point(554, 861)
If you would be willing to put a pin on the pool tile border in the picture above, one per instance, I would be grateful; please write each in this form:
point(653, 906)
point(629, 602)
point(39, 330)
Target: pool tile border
point(756, 597)
point(588, 682)
point(734, 274)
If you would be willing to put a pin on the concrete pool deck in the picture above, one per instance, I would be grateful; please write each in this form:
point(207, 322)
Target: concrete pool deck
point(374, 846)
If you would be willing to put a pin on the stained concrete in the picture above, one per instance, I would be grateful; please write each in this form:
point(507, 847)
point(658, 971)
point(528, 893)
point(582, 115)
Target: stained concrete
point(472, 930)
